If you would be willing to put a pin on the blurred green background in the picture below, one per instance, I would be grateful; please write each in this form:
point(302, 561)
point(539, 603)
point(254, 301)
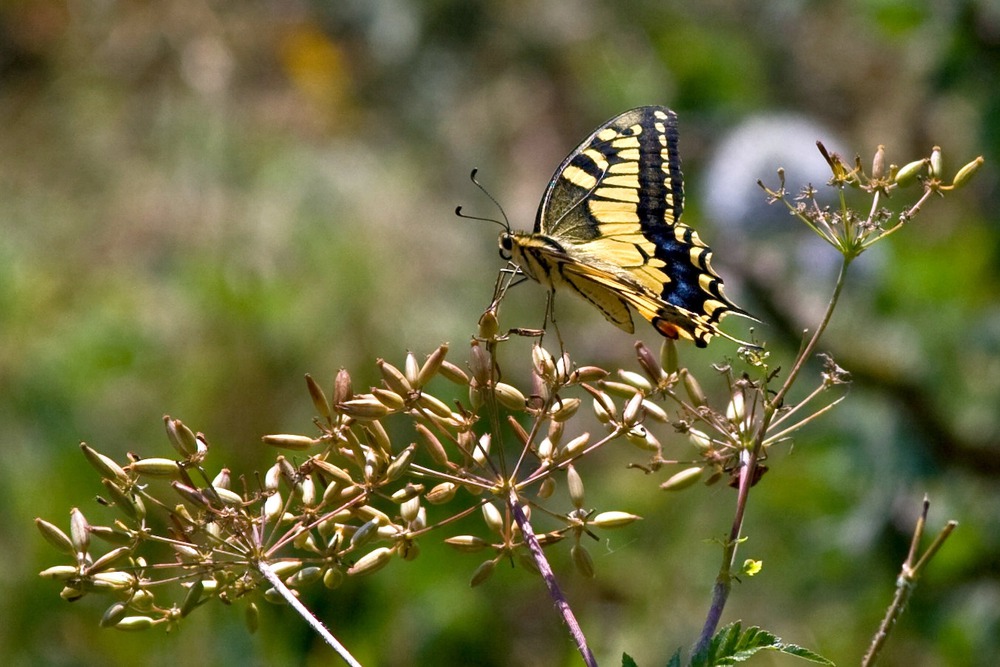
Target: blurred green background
point(202, 201)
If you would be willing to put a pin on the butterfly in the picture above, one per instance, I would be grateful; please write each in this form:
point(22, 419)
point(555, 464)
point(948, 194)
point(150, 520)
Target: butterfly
point(609, 230)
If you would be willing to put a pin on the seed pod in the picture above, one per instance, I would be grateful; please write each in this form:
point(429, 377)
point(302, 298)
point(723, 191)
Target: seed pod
point(342, 390)
point(431, 365)
point(614, 519)
point(878, 163)
point(60, 572)
point(131, 505)
point(434, 405)
point(333, 471)
point(480, 364)
point(55, 536)
point(632, 414)
point(564, 409)
point(305, 577)
point(668, 356)
point(155, 467)
point(400, 464)
point(409, 509)
point(682, 480)
point(453, 373)
point(546, 488)
point(79, 533)
point(273, 506)
point(582, 560)
point(252, 617)
point(965, 173)
point(693, 389)
point(223, 480)
point(108, 559)
point(649, 363)
point(509, 396)
point(389, 399)
point(936, 166)
point(363, 408)
point(289, 441)
point(588, 374)
point(466, 543)
point(493, 518)
point(482, 573)
point(192, 598)
point(543, 363)
point(371, 562)
point(574, 446)
point(908, 172)
point(393, 378)
point(333, 577)
point(411, 369)
point(318, 398)
point(112, 581)
point(654, 411)
point(489, 325)
point(105, 465)
point(432, 445)
point(700, 440)
point(575, 485)
point(286, 568)
point(377, 437)
point(635, 380)
point(134, 623)
point(481, 451)
point(181, 437)
point(114, 614)
point(441, 493)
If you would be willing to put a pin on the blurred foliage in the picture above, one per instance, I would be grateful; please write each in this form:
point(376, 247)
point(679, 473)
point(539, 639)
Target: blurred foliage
point(200, 202)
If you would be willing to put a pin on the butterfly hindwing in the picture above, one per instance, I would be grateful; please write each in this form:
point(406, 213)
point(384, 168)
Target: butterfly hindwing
point(609, 228)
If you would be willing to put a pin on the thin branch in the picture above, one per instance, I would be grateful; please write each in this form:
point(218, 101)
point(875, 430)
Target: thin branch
point(304, 612)
point(550, 581)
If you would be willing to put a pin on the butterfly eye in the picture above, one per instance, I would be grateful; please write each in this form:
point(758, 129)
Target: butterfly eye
point(506, 245)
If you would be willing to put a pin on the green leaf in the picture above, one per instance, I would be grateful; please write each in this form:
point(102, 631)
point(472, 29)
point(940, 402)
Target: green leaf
point(627, 661)
point(730, 646)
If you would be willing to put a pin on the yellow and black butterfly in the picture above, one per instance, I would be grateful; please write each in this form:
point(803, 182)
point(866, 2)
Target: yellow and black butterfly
point(609, 229)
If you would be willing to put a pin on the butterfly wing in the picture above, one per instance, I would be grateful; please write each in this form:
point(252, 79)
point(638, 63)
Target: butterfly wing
point(612, 210)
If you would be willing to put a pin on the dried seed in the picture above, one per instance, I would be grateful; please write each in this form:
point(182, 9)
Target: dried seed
point(965, 173)
point(640, 382)
point(289, 441)
point(574, 446)
point(693, 389)
point(400, 464)
point(131, 505)
point(466, 543)
point(60, 572)
point(55, 536)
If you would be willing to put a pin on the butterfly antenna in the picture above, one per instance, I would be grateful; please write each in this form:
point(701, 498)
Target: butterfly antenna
point(506, 222)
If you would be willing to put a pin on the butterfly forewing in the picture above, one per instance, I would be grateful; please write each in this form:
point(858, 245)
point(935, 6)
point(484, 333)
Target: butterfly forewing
point(608, 228)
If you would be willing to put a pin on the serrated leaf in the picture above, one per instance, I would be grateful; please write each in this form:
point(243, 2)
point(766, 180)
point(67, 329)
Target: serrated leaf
point(731, 646)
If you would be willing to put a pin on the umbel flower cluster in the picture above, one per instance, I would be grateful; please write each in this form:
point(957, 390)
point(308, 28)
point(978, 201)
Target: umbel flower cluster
point(384, 468)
